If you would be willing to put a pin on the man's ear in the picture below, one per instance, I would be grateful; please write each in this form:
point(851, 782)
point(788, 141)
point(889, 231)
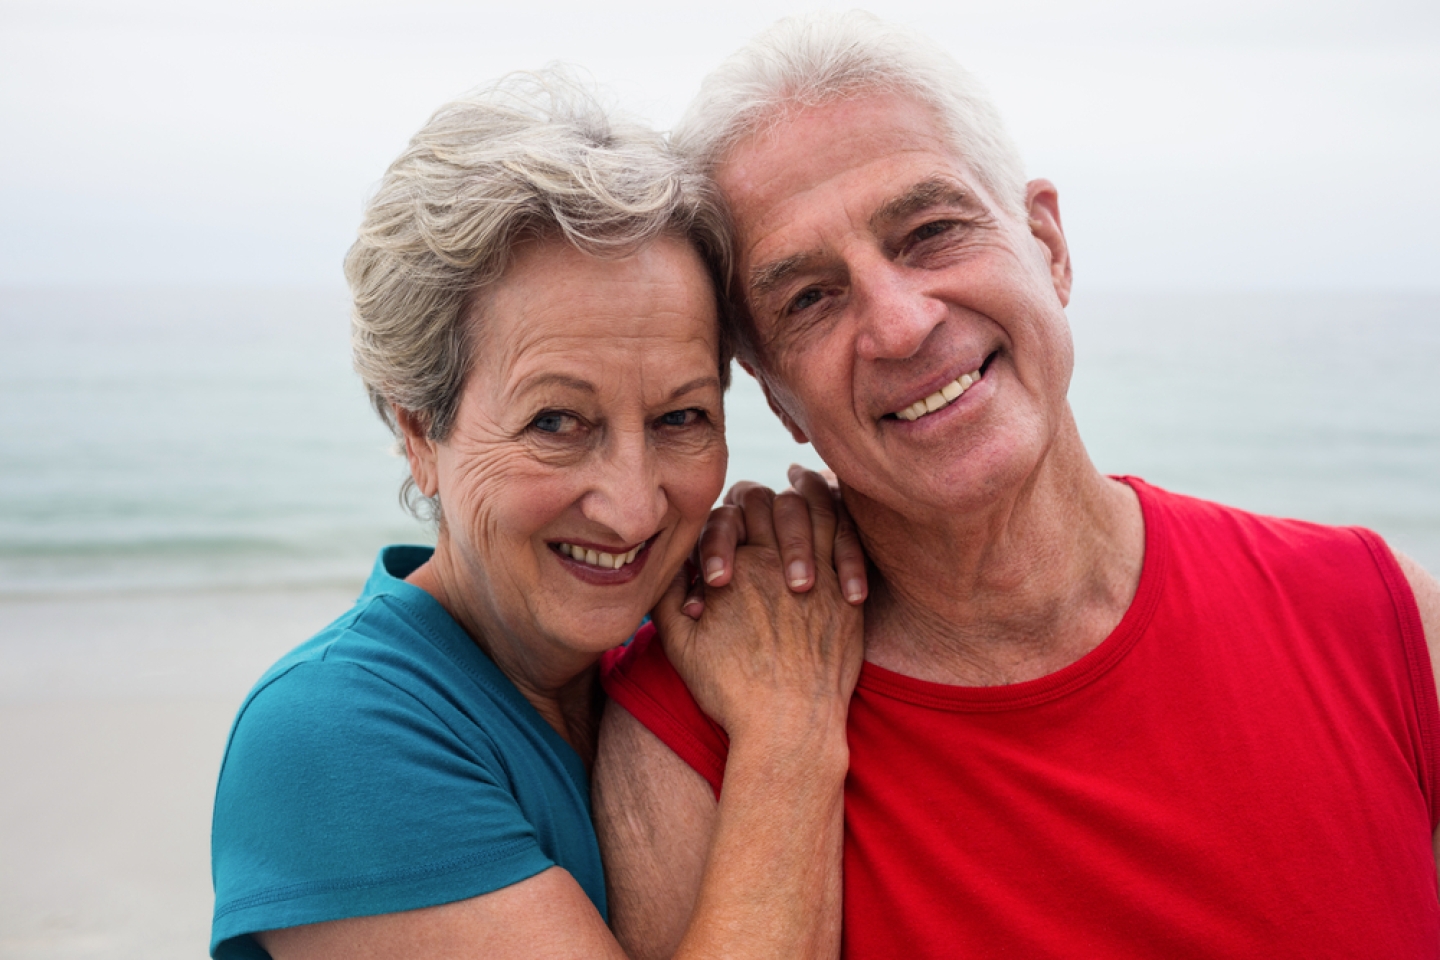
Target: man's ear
point(419, 451)
point(779, 410)
point(1042, 204)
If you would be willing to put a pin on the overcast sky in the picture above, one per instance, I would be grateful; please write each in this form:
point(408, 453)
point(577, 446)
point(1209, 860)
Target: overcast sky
point(1254, 144)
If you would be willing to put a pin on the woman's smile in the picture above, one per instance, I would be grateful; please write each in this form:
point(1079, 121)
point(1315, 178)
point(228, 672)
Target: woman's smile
point(601, 567)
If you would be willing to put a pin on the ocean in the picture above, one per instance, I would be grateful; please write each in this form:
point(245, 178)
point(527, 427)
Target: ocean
point(197, 438)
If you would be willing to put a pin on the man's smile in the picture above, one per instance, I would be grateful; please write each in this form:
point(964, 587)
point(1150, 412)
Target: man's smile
point(942, 397)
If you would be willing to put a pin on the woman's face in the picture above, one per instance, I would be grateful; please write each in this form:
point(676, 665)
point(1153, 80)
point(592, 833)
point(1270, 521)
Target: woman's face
point(587, 449)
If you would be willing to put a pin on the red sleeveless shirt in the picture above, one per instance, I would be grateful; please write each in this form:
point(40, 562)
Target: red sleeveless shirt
point(1245, 767)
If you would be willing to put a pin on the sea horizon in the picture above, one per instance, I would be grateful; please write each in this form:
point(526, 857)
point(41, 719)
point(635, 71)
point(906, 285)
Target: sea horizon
point(182, 438)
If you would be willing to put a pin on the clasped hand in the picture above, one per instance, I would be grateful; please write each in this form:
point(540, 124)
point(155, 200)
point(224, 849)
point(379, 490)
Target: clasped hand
point(767, 637)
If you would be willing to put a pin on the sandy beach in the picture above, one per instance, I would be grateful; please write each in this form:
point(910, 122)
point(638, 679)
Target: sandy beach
point(113, 715)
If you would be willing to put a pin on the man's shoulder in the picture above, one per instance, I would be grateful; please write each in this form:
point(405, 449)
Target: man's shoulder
point(1188, 518)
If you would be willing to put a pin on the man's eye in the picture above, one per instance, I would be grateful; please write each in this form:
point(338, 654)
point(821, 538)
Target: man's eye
point(552, 422)
point(933, 229)
point(682, 418)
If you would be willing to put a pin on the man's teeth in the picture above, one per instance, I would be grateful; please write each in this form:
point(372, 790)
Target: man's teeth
point(943, 397)
point(598, 558)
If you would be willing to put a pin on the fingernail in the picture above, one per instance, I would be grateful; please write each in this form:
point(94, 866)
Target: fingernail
point(799, 576)
point(854, 591)
point(713, 568)
point(693, 609)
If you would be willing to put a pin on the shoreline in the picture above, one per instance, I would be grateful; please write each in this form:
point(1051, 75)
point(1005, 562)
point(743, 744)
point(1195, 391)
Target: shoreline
point(114, 711)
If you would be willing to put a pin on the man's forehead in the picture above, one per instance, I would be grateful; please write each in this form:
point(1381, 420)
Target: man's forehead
point(797, 150)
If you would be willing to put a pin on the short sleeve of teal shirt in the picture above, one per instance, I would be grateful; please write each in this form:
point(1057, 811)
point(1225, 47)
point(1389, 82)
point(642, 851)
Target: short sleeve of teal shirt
point(387, 765)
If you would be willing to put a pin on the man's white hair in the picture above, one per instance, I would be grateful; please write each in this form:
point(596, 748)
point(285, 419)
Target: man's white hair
point(820, 58)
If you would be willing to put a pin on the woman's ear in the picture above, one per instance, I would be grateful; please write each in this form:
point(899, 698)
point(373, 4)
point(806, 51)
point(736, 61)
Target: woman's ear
point(419, 450)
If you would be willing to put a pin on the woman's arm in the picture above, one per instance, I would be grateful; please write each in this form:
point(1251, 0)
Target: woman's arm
point(655, 816)
point(658, 819)
point(545, 916)
point(777, 669)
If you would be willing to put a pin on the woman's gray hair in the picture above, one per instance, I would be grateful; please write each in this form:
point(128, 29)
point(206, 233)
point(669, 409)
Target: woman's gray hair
point(535, 155)
point(815, 59)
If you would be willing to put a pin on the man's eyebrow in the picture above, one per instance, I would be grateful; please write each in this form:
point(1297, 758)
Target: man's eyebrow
point(765, 278)
point(935, 192)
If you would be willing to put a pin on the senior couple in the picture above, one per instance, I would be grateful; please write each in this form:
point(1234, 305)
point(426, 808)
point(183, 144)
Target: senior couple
point(1076, 716)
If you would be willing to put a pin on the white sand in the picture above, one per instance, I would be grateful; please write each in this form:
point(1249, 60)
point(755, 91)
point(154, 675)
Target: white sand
point(113, 716)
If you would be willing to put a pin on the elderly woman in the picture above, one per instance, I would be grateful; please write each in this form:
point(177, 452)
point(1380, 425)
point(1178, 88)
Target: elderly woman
point(535, 317)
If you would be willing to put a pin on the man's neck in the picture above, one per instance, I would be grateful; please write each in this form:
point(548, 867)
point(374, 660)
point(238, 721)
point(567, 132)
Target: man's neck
point(1012, 590)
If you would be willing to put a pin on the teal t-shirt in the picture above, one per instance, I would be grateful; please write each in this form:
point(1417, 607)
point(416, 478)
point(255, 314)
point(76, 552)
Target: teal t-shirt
point(384, 765)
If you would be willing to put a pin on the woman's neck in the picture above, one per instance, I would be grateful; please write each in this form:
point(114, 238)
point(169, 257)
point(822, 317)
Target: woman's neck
point(564, 690)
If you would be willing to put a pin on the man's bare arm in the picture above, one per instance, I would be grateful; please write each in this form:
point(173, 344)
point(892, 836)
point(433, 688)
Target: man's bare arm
point(1427, 598)
point(655, 816)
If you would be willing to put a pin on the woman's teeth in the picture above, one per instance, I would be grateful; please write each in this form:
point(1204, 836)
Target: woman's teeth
point(598, 558)
point(943, 397)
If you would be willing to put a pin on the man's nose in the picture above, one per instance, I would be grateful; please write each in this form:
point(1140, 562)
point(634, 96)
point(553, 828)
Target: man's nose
point(626, 495)
point(896, 314)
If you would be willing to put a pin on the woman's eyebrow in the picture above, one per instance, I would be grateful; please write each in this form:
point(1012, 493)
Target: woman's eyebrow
point(697, 384)
point(555, 380)
point(585, 386)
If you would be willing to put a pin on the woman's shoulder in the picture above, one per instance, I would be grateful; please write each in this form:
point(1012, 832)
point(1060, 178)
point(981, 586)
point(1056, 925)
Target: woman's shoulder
point(368, 773)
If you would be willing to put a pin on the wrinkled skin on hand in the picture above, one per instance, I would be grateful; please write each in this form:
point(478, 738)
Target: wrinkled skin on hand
point(761, 652)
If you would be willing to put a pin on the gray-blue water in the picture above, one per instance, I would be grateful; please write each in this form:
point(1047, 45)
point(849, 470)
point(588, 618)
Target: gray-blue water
point(178, 438)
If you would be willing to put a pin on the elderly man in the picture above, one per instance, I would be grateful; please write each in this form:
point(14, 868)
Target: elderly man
point(1096, 719)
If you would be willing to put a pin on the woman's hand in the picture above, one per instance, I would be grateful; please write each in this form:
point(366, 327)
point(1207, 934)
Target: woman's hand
point(762, 650)
point(797, 514)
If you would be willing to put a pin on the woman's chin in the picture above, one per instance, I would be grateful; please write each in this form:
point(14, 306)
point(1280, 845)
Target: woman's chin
point(594, 631)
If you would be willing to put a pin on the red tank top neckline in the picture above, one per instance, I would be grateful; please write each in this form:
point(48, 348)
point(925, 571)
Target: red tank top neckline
point(1084, 671)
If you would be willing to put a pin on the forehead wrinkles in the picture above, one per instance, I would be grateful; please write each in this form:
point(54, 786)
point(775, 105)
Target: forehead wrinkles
point(654, 367)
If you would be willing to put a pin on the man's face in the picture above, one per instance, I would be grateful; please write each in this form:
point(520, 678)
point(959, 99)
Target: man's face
point(881, 275)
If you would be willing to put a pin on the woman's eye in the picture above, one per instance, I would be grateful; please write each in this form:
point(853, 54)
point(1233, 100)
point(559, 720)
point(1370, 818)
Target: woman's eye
point(806, 299)
point(553, 422)
point(682, 418)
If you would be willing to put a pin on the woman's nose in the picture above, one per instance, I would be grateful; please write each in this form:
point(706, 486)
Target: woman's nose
point(627, 497)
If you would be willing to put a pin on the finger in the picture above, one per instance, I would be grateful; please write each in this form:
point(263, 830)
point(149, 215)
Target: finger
point(827, 475)
point(741, 489)
point(670, 619)
point(694, 603)
point(822, 503)
point(850, 564)
point(757, 503)
point(723, 532)
point(793, 526)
